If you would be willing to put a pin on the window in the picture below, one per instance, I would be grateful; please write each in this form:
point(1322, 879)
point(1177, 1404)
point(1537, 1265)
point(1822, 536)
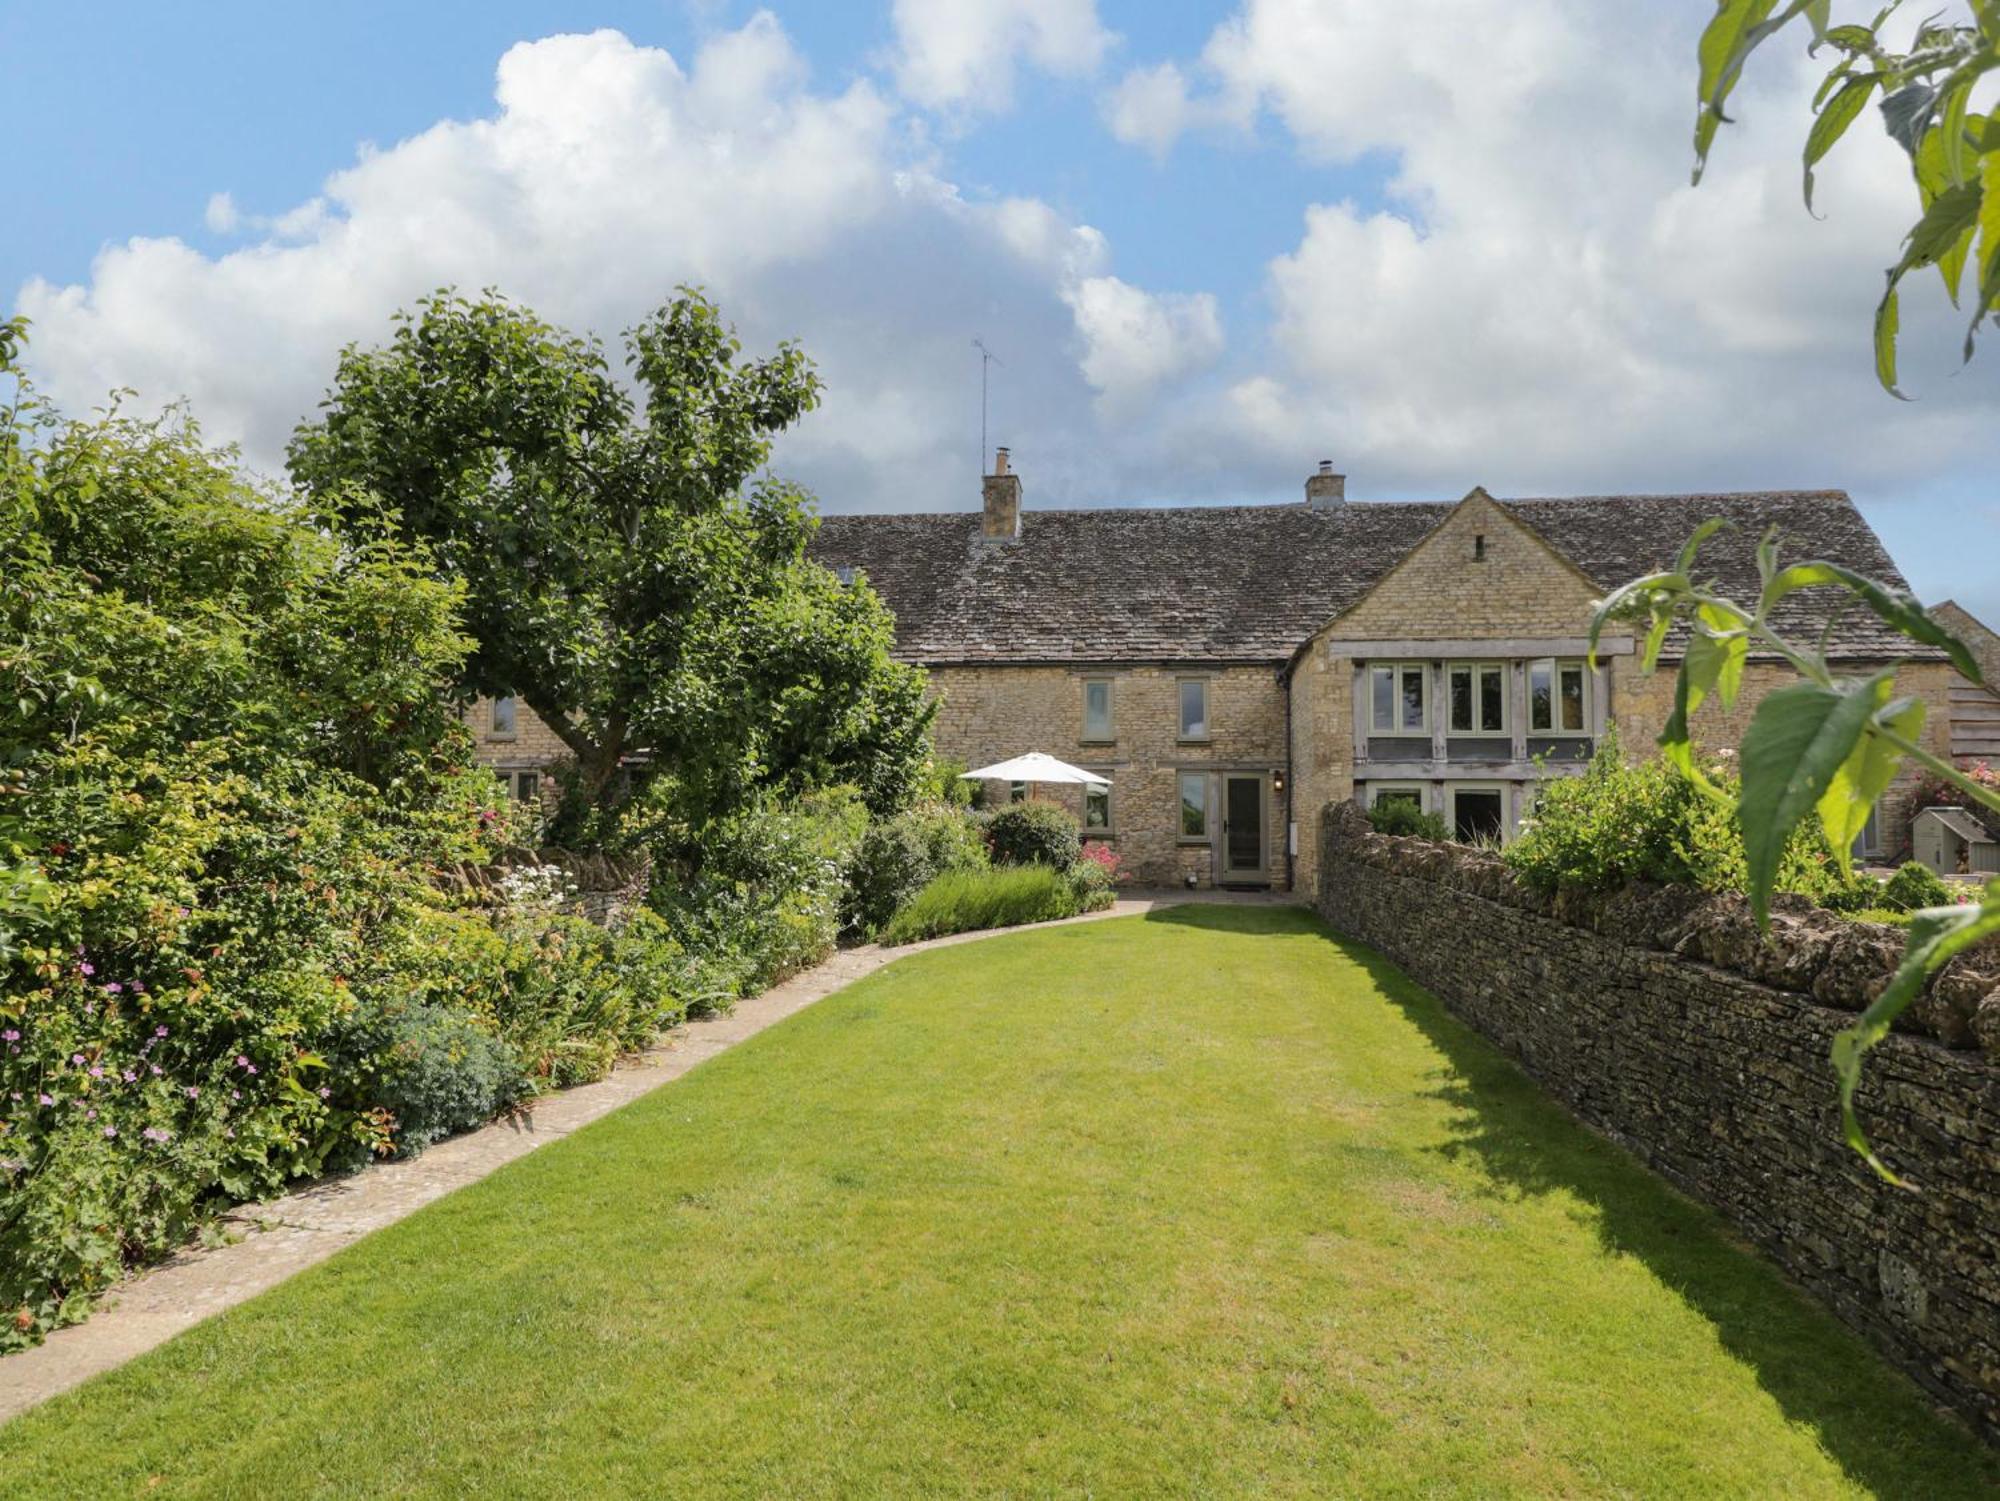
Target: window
point(1478, 814)
point(1017, 792)
point(1557, 693)
point(528, 786)
point(1194, 805)
point(844, 572)
point(1869, 840)
point(1477, 695)
point(1097, 709)
point(1194, 708)
point(1398, 702)
point(1096, 810)
point(1382, 794)
point(501, 725)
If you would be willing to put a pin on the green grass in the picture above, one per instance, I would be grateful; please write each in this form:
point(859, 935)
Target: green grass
point(1201, 1204)
point(962, 901)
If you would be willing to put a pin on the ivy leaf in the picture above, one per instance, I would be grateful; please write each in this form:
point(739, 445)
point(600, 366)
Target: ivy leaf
point(1936, 934)
point(1865, 775)
point(1795, 746)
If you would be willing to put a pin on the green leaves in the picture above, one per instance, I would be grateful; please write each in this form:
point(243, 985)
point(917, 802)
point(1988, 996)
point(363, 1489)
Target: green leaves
point(1866, 773)
point(1944, 225)
point(1832, 122)
point(1796, 745)
point(1725, 43)
point(1936, 934)
point(1717, 650)
point(1893, 607)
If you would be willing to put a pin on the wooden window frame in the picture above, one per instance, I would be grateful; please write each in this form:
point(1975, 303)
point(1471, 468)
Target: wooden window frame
point(1207, 835)
point(1207, 734)
point(1476, 666)
point(1109, 828)
point(1398, 668)
point(1557, 666)
point(1421, 789)
point(1110, 735)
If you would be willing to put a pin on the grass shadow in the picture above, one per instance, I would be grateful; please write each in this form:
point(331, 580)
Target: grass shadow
point(1882, 1429)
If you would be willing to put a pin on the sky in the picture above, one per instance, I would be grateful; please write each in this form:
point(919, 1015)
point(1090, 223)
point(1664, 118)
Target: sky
point(1442, 243)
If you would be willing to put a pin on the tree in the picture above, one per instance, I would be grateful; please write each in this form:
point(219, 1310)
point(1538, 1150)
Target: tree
point(626, 573)
point(1925, 97)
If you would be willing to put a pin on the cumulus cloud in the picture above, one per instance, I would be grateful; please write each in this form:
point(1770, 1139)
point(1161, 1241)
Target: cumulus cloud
point(961, 54)
point(610, 173)
point(1135, 340)
point(1540, 301)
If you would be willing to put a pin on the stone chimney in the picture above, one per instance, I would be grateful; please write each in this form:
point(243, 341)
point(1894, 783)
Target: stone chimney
point(1326, 489)
point(1001, 491)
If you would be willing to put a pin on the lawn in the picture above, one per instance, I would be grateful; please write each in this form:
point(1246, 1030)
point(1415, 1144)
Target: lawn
point(1201, 1204)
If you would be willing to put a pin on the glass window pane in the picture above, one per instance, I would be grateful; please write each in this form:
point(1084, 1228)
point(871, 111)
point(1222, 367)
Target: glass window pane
point(1194, 805)
point(1096, 808)
point(503, 716)
point(1572, 697)
point(1385, 796)
point(1492, 699)
point(1194, 709)
point(1541, 708)
point(1413, 698)
point(1461, 698)
point(1384, 682)
point(1017, 792)
point(527, 786)
point(1097, 711)
point(1477, 816)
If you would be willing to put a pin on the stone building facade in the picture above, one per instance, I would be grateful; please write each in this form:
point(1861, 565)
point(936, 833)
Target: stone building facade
point(1234, 669)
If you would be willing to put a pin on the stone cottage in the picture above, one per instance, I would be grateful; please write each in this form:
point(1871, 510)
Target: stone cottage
point(1232, 669)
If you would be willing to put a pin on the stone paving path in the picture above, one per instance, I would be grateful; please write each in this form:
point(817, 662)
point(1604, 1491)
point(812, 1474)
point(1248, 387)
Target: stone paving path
point(282, 1236)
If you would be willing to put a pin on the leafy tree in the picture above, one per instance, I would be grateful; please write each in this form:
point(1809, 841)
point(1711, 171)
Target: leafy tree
point(626, 573)
point(1924, 93)
point(1823, 749)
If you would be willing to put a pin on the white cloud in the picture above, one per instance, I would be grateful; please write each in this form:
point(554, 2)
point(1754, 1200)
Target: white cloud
point(961, 54)
point(608, 174)
point(1540, 301)
point(221, 215)
point(1134, 341)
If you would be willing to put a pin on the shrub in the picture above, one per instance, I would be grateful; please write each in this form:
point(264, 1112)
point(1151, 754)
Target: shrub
point(1621, 822)
point(759, 894)
point(1407, 819)
point(963, 901)
point(1090, 881)
point(1916, 885)
point(1034, 833)
point(413, 1072)
point(899, 857)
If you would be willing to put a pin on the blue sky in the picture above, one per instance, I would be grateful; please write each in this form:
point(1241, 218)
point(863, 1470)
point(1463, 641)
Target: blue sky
point(1213, 244)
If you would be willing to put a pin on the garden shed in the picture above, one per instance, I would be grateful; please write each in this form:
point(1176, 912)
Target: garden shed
point(1951, 841)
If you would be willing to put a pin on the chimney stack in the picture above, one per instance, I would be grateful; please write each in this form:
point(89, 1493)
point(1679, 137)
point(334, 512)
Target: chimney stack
point(1326, 489)
point(1001, 493)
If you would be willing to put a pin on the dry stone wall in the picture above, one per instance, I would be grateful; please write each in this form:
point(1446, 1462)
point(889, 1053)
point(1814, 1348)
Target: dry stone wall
point(1662, 1017)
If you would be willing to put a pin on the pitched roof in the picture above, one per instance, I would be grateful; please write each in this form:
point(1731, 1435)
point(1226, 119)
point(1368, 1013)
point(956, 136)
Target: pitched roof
point(1252, 583)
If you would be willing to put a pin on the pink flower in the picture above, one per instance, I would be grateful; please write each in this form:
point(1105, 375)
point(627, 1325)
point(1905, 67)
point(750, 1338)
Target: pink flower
point(114, 988)
point(77, 1059)
point(157, 1070)
point(129, 1077)
point(155, 1133)
point(157, 1031)
point(110, 1131)
point(86, 968)
point(45, 1099)
point(97, 1071)
point(10, 1035)
point(325, 1093)
point(194, 1091)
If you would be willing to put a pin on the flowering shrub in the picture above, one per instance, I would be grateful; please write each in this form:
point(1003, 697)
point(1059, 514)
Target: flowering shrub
point(898, 857)
point(1934, 791)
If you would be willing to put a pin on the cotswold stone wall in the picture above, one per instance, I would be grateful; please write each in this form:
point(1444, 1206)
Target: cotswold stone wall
point(1665, 1020)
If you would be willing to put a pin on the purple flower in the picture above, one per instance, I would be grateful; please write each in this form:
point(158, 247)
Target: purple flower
point(235, 1094)
point(77, 1059)
point(114, 988)
point(157, 1031)
point(155, 1133)
point(194, 1091)
point(129, 1077)
point(139, 986)
point(241, 1061)
point(157, 1070)
point(89, 1115)
point(45, 1099)
point(97, 1071)
point(110, 1131)
point(325, 1093)
point(10, 1035)
point(86, 968)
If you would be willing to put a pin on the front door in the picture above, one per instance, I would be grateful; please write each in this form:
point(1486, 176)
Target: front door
point(1243, 828)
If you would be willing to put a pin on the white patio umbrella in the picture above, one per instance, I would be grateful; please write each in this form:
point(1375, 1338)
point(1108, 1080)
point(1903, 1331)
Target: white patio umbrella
point(1035, 767)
